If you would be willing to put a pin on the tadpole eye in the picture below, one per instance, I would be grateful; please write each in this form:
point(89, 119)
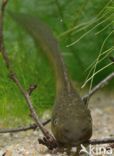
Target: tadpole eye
point(55, 122)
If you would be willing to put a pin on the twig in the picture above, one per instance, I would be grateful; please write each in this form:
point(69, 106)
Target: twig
point(4, 3)
point(21, 129)
point(2, 48)
point(98, 87)
point(100, 141)
point(29, 102)
point(32, 88)
point(50, 141)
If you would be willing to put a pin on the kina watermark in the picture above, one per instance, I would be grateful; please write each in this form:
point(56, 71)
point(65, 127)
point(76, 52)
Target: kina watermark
point(96, 150)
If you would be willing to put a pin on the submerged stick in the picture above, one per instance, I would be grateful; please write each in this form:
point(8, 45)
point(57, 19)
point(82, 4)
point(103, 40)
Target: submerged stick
point(50, 141)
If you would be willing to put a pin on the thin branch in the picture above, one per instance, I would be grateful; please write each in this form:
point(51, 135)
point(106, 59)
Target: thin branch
point(98, 87)
point(21, 129)
point(31, 88)
point(4, 3)
point(29, 102)
point(100, 141)
point(2, 49)
point(50, 140)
